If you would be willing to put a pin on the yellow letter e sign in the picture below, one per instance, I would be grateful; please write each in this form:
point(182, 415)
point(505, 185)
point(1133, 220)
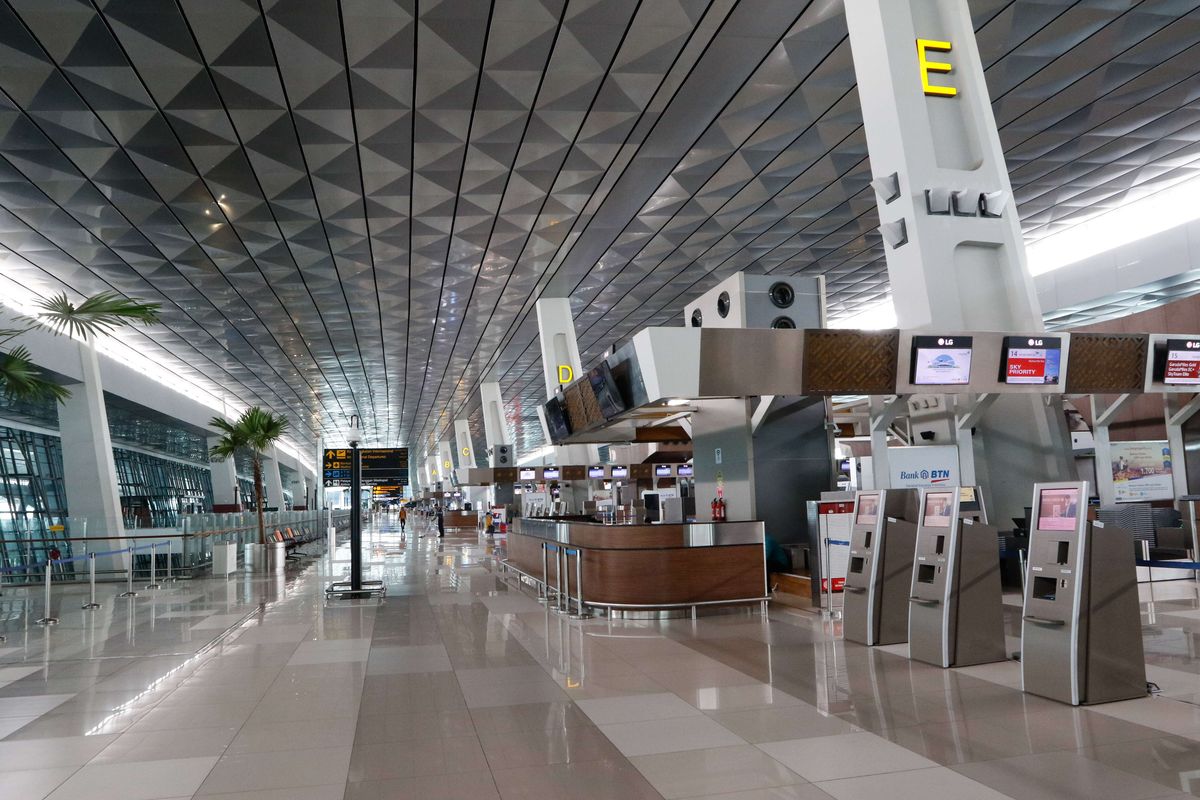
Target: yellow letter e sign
point(927, 66)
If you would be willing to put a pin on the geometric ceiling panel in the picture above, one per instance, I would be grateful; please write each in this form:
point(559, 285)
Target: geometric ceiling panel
point(352, 207)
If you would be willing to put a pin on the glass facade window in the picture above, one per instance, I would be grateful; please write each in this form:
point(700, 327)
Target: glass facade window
point(155, 491)
point(32, 495)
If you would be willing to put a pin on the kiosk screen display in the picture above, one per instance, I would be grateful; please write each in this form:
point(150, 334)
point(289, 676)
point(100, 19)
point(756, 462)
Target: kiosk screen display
point(550, 474)
point(663, 471)
point(937, 509)
point(1029, 360)
point(527, 475)
point(620, 472)
point(1183, 362)
point(966, 494)
point(1058, 509)
point(686, 471)
point(941, 360)
point(595, 472)
point(868, 509)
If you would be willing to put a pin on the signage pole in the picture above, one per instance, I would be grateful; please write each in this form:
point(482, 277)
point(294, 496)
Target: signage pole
point(355, 519)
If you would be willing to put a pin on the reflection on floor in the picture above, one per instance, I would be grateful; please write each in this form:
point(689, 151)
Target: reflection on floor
point(460, 685)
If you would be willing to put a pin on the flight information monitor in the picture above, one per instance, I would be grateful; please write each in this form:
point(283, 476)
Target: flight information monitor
point(663, 471)
point(550, 474)
point(556, 419)
point(868, 509)
point(686, 471)
point(608, 396)
point(595, 472)
point(1057, 509)
point(1031, 360)
point(527, 475)
point(937, 509)
point(941, 360)
point(620, 472)
point(1183, 362)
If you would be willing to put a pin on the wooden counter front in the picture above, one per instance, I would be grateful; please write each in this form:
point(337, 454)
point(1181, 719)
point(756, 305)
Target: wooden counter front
point(647, 566)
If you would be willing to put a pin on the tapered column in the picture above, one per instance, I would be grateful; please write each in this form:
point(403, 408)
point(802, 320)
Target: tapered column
point(224, 478)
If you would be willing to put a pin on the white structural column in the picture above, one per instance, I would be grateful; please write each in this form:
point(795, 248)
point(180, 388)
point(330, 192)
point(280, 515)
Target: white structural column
point(955, 256)
point(445, 459)
point(464, 449)
point(272, 481)
point(724, 457)
point(561, 365)
point(224, 478)
point(495, 431)
point(89, 471)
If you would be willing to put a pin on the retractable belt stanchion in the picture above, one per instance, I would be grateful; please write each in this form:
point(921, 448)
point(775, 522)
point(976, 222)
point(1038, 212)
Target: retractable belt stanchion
point(153, 584)
point(91, 603)
point(48, 619)
point(129, 592)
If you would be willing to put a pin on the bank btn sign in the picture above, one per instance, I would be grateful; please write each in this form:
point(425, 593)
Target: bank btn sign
point(923, 467)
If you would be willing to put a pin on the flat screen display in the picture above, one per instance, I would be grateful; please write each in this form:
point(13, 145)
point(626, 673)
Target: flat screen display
point(1058, 509)
point(595, 472)
point(686, 471)
point(1183, 362)
point(550, 474)
point(608, 396)
point(556, 420)
point(938, 506)
point(620, 472)
point(966, 494)
point(527, 475)
point(941, 360)
point(1031, 360)
point(663, 471)
point(867, 511)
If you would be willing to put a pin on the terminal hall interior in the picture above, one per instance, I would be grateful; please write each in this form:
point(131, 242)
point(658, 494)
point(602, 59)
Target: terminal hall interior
point(599, 399)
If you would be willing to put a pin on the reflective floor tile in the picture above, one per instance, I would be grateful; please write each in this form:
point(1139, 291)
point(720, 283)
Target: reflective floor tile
point(556, 746)
point(465, 786)
point(389, 728)
point(270, 737)
point(777, 724)
point(713, 771)
point(846, 756)
point(510, 694)
point(218, 622)
point(331, 792)
point(416, 758)
point(920, 784)
point(669, 735)
point(74, 751)
point(497, 676)
point(201, 716)
point(736, 698)
point(160, 745)
point(32, 784)
point(636, 708)
point(331, 652)
point(585, 780)
point(136, 780)
point(10, 725)
point(1068, 776)
point(1172, 761)
point(529, 716)
point(291, 768)
point(397, 660)
point(31, 706)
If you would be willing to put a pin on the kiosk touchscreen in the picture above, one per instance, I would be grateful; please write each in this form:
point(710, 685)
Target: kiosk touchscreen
point(956, 616)
point(1081, 629)
point(880, 568)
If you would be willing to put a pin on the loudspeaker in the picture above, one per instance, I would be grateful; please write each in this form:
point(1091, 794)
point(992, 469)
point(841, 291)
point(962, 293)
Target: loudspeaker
point(502, 455)
point(760, 301)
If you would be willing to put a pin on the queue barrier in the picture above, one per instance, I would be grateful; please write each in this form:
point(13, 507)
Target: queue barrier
point(48, 564)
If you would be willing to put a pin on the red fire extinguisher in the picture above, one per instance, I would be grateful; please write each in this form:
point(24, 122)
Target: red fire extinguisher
point(721, 510)
point(716, 510)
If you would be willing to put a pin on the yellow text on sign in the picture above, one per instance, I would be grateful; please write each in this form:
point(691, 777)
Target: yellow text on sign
point(565, 373)
point(924, 46)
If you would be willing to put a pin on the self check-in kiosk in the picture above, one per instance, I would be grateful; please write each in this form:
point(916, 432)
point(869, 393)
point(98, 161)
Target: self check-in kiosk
point(880, 568)
point(956, 613)
point(1081, 631)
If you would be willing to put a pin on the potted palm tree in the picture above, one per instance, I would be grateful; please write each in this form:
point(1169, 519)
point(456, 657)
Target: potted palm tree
point(96, 315)
point(253, 433)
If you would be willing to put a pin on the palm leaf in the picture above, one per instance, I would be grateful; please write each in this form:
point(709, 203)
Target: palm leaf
point(21, 380)
point(95, 315)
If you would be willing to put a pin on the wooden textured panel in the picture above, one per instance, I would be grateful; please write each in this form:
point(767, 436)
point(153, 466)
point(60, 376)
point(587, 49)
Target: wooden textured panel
point(1107, 363)
point(673, 575)
point(504, 475)
point(641, 471)
point(850, 362)
point(574, 473)
point(621, 537)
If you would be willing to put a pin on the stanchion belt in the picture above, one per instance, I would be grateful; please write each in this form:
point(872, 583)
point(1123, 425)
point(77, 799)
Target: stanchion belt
point(1191, 565)
point(84, 557)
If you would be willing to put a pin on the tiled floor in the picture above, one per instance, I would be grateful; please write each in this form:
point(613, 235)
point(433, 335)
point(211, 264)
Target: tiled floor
point(460, 685)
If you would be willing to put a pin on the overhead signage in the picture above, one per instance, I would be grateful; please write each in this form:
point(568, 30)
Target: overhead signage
point(927, 67)
point(565, 374)
point(527, 475)
point(941, 360)
point(595, 472)
point(620, 472)
point(1183, 362)
point(686, 470)
point(663, 471)
point(923, 466)
point(1032, 360)
point(550, 474)
point(380, 466)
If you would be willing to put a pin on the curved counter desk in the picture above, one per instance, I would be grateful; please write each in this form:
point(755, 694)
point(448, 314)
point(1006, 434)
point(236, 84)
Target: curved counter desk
point(644, 566)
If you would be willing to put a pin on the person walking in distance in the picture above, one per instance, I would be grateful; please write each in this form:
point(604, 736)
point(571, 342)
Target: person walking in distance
point(403, 518)
point(441, 520)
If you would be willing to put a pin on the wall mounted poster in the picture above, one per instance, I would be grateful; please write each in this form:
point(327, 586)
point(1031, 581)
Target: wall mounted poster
point(1142, 471)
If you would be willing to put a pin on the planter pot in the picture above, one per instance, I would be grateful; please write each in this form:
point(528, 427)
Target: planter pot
point(253, 557)
point(276, 557)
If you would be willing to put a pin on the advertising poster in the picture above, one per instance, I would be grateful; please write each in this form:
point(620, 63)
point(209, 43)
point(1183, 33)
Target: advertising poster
point(1142, 471)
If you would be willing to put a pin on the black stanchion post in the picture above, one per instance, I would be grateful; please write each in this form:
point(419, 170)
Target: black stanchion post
point(355, 519)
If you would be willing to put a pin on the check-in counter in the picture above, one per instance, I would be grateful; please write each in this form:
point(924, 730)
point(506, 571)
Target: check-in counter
point(460, 519)
point(637, 566)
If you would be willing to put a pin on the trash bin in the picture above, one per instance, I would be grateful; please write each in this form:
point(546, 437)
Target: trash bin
point(276, 556)
point(252, 557)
